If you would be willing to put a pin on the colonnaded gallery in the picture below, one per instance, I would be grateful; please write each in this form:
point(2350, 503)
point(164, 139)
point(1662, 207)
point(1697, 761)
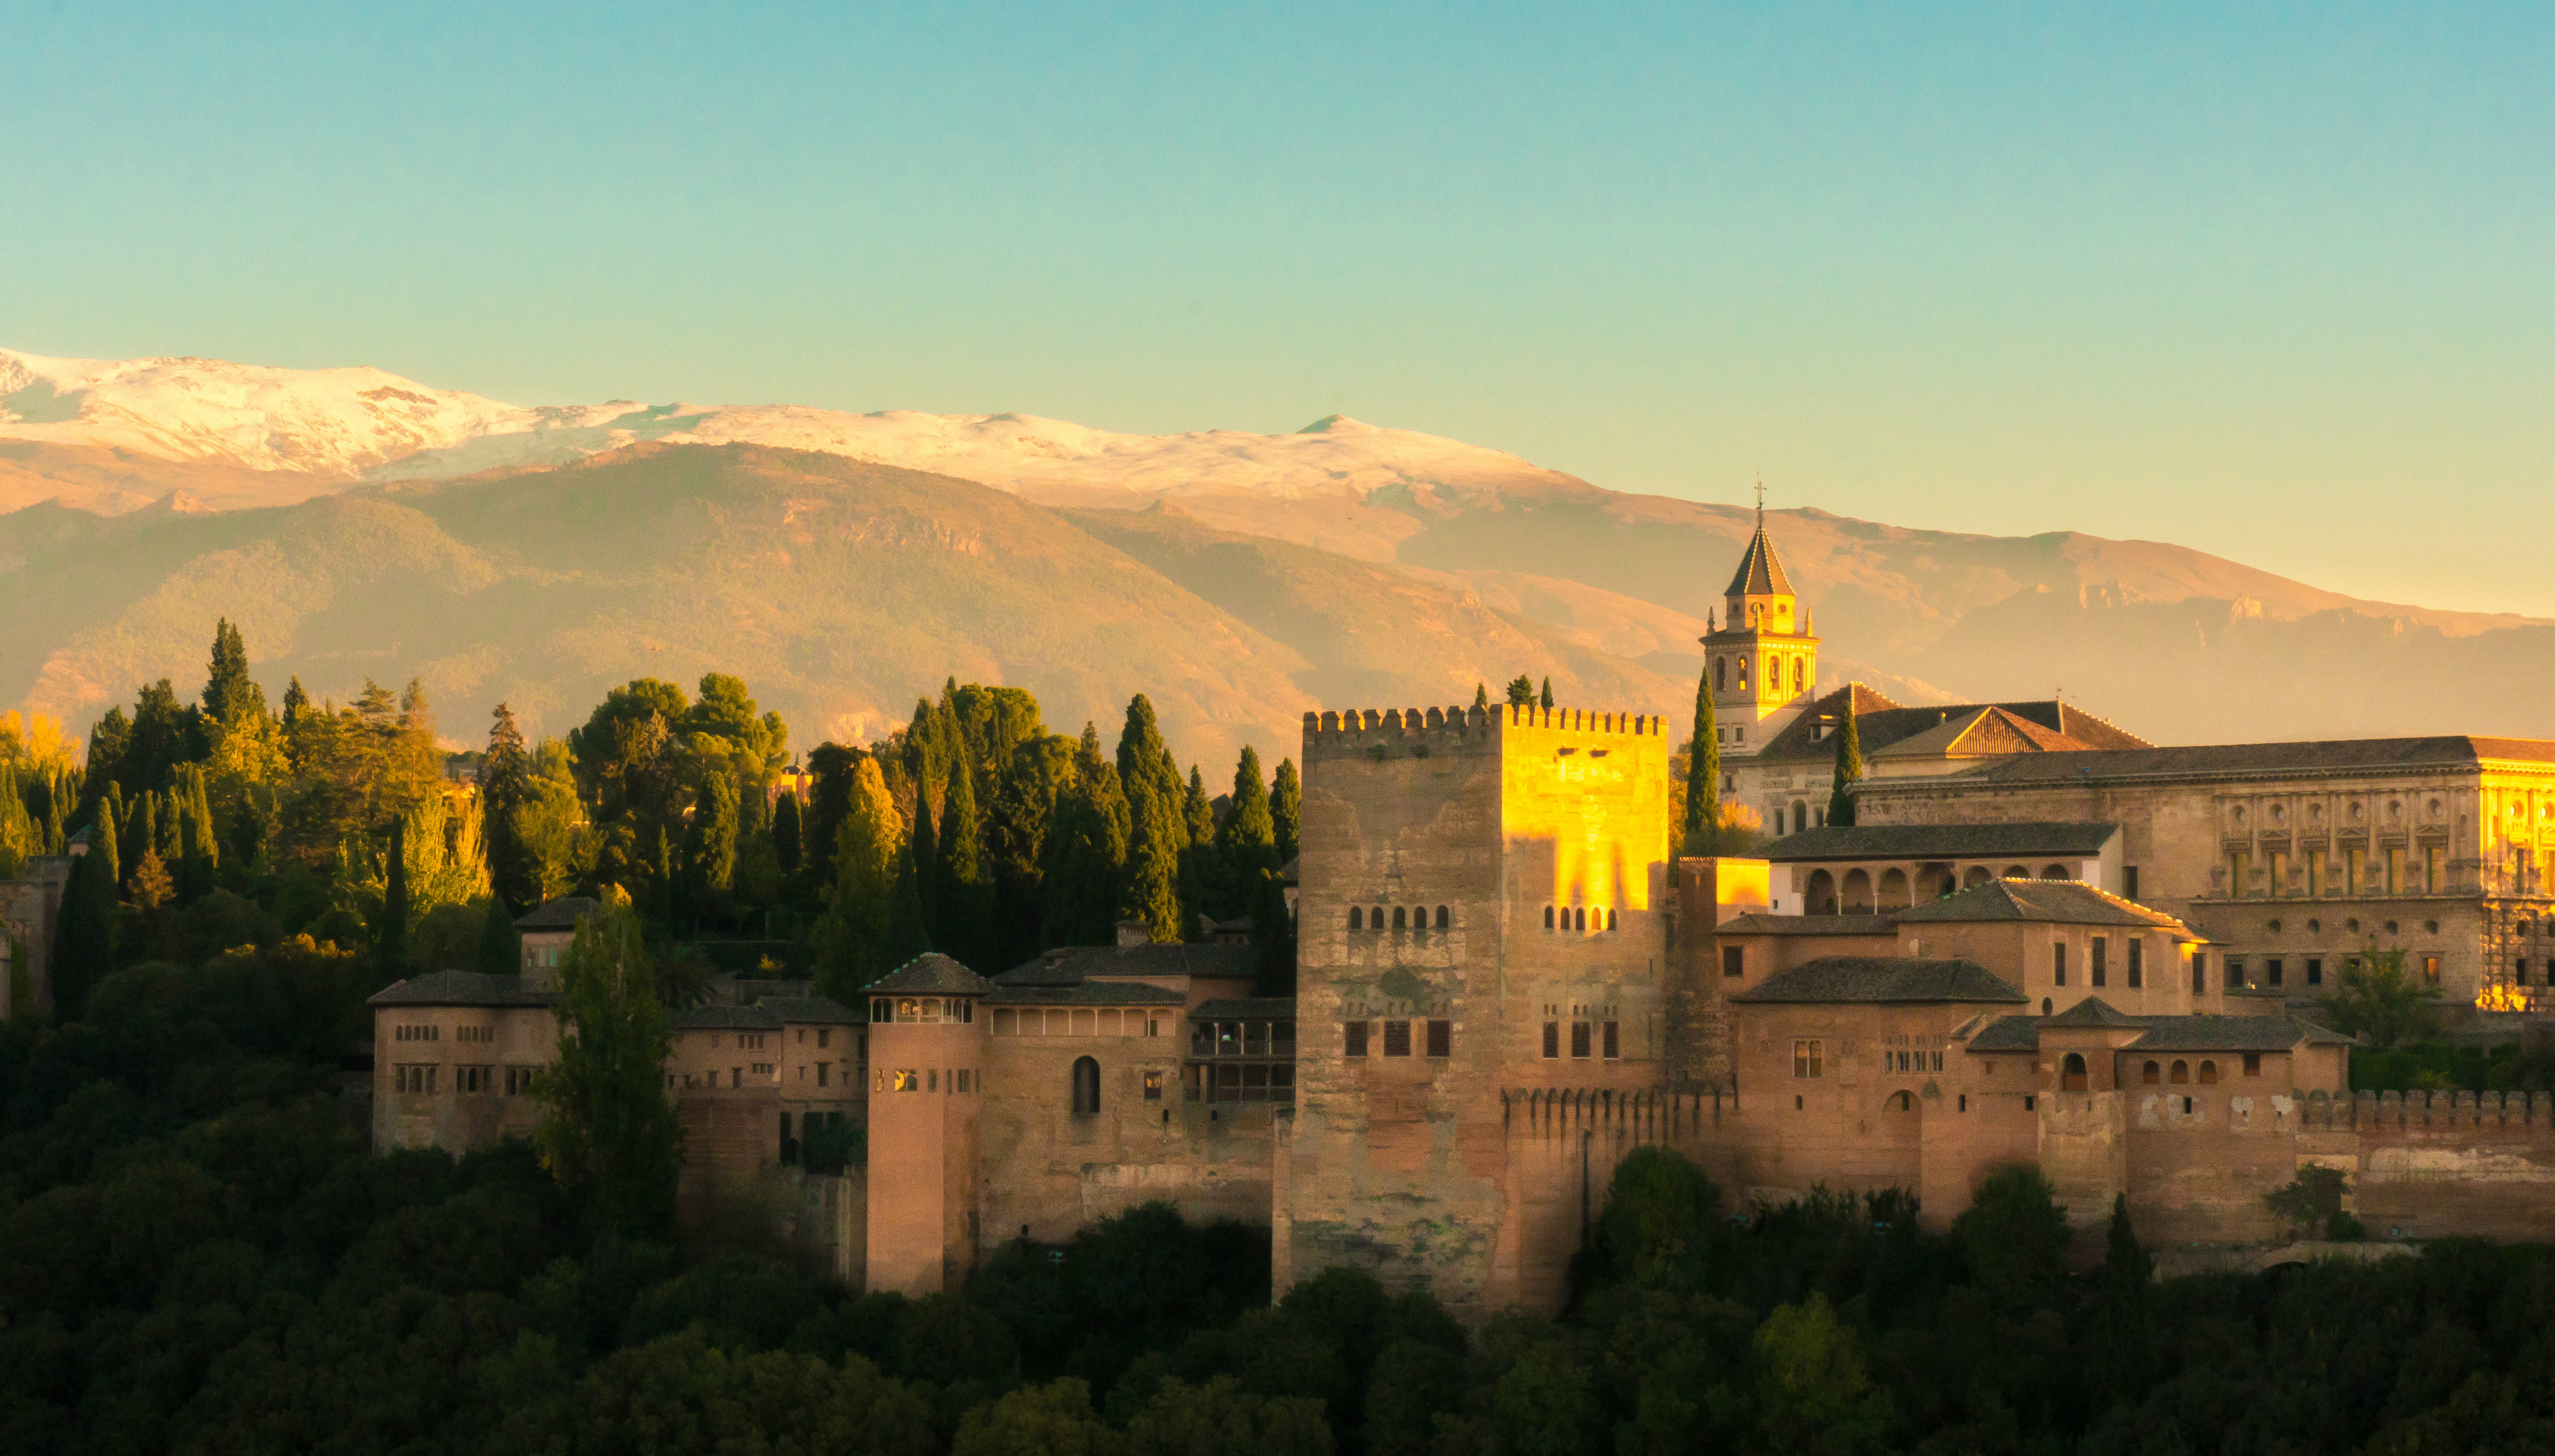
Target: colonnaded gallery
point(2043, 940)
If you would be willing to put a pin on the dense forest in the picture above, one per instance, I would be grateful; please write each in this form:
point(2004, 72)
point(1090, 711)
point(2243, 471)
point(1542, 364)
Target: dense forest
point(198, 1252)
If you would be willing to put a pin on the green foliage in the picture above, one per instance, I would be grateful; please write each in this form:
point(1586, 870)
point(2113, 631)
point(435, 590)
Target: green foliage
point(500, 949)
point(962, 893)
point(1086, 853)
point(1703, 774)
point(1544, 699)
point(2310, 1202)
point(1287, 811)
point(854, 943)
point(1521, 691)
point(2378, 999)
point(1659, 1213)
point(1849, 761)
point(607, 1128)
point(785, 832)
point(2013, 1235)
point(1157, 829)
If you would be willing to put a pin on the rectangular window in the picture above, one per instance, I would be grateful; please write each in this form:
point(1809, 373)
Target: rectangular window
point(1809, 1059)
point(2137, 961)
point(2058, 963)
point(1441, 1039)
point(822, 1032)
point(2430, 970)
point(1552, 1038)
point(2239, 866)
point(2199, 973)
point(2315, 971)
point(2253, 1063)
point(2129, 881)
point(1153, 1086)
point(2235, 973)
point(1201, 1038)
point(2279, 873)
point(1613, 1040)
point(2396, 871)
point(909, 1079)
point(2435, 871)
point(1397, 1038)
point(2094, 966)
point(1579, 1040)
point(1734, 961)
point(2317, 888)
point(2273, 969)
point(1281, 1039)
point(1357, 1038)
point(2031, 1103)
point(823, 1068)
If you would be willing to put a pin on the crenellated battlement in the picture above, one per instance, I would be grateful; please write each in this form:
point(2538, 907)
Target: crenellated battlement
point(2377, 1114)
point(1361, 728)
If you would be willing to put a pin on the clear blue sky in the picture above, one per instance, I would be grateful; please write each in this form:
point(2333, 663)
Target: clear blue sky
point(2278, 283)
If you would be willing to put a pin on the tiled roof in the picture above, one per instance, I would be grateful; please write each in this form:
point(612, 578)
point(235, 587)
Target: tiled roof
point(2093, 1011)
point(811, 1010)
point(2008, 1033)
point(1881, 978)
point(2030, 839)
point(2061, 901)
point(1979, 732)
point(562, 913)
point(2234, 1033)
point(1754, 923)
point(1879, 722)
point(716, 1018)
point(460, 988)
point(931, 974)
point(2205, 761)
point(1087, 992)
point(1760, 573)
point(1067, 965)
point(1246, 1009)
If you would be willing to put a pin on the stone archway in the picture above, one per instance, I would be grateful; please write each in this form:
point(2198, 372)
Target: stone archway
point(1977, 876)
point(1893, 890)
point(1935, 880)
point(1821, 899)
point(1857, 894)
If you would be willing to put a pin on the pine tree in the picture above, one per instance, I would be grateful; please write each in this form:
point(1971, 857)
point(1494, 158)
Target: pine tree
point(962, 898)
point(1286, 812)
point(151, 885)
point(1547, 693)
point(504, 786)
point(1481, 698)
point(1849, 763)
point(500, 950)
point(1703, 775)
point(390, 938)
point(784, 831)
point(229, 697)
point(1521, 691)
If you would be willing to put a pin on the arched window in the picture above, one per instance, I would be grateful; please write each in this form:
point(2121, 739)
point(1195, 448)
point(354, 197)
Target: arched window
point(1742, 675)
point(1902, 1102)
point(1610, 920)
point(1086, 1087)
point(2070, 1073)
point(1580, 918)
point(1800, 816)
point(2016, 872)
point(2208, 1073)
point(1398, 919)
point(1375, 918)
point(1441, 918)
point(2181, 1073)
point(2151, 1074)
point(2045, 1006)
point(1357, 917)
point(1547, 918)
point(1976, 875)
point(2055, 871)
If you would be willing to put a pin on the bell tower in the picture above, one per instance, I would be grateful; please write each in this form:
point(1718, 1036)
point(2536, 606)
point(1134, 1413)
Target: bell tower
point(1763, 657)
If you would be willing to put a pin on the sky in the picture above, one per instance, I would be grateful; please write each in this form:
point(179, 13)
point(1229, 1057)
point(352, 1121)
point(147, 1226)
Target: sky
point(2278, 283)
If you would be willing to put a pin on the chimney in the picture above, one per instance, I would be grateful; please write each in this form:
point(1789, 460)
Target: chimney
point(1134, 933)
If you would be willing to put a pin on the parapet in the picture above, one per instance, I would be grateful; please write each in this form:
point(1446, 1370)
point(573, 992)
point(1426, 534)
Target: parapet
point(2530, 1114)
point(1460, 725)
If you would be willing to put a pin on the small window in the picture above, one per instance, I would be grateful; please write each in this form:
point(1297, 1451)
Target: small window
point(1441, 918)
point(1610, 1039)
point(2031, 1103)
point(1964, 1102)
point(2315, 971)
point(2253, 1063)
point(1441, 1039)
point(2272, 970)
point(1734, 961)
point(1398, 914)
point(2208, 1073)
point(1397, 1038)
point(2180, 1074)
point(1579, 922)
point(1356, 1039)
point(1808, 1060)
point(2137, 961)
point(1547, 918)
point(1552, 1038)
point(2199, 973)
point(1357, 917)
point(1579, 1040)
point(1153, 1086)
point(2070, 1073)
point(2430, 970)
point(2058, 964)
point(1610, 920)
point(2095, 969)
point(822, 1069)
point(824, 1037)
point(1375, 918)
point(2151, 1074)
point(909, 1079)
point(1086, 1087)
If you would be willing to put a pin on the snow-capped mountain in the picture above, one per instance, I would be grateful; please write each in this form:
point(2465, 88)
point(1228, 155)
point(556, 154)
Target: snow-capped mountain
point(336, 426)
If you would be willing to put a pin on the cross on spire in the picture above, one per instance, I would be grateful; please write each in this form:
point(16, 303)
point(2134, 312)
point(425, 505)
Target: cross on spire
point(1760, 500)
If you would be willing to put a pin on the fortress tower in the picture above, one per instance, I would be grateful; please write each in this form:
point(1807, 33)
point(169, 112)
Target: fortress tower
point(1483, 917)
point(926, 1055)
point(1763, 657)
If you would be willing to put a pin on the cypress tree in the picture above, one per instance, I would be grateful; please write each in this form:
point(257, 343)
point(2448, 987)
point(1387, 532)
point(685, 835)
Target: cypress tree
point(1841, 801)
point(1482, 696)
point(710, 842)
point(1249, 838)
point(500, 950)
point(230, 695)
point(199, 850)
point(925, 846)
point(1703, 775)
point(103, 841)
point(141, 833)
point(1849, 763)
point(854, 937)
point(1158, 830)
point(785, 830)
point(108, 743)
point(1205, 890)
point(84, 938)
point(907, 933)
point(1547, 692)
point(504, 786)
point(832, 764)
point(962, 896)
point(1084, 859)
point(390, 938)
point(2123, 1308)
point(1287, 811)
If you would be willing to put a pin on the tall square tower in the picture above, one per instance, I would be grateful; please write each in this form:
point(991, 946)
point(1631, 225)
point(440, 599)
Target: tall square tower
point(1763, 658)
point(1483, 910)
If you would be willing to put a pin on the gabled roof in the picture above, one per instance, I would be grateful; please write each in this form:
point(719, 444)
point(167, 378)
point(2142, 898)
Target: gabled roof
point(1759, 573)
point(715, 1018)
point(2035, 839)
point(1087, 992)
point(2058, 901)
point(562, 913)
point(1069, 965)
point(2093, 1011)
point(930, 974)
point(1880, 978)
point(2008, 1033)
point(1878, 723)
point(810, 1011)
point(2209, 761)
point(1760, 923)
point(460, 988)
point(1246, 1009)
point(1978, 733)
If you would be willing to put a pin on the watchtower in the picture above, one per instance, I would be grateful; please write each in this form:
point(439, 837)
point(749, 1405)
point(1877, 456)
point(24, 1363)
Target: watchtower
point(1482, 910)
point(1763, 659)
point(925, 1056)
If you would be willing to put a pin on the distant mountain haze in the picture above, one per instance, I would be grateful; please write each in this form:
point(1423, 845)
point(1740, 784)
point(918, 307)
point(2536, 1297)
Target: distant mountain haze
point(359, 523)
